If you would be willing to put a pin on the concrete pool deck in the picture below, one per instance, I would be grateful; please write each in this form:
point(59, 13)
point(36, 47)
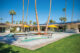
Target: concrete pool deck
point(35, 44)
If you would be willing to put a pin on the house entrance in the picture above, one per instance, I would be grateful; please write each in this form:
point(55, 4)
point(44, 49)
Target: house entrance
point(79, 28)
point(2, 29)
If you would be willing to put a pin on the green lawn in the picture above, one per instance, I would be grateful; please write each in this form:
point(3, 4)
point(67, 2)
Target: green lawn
point(67, 45)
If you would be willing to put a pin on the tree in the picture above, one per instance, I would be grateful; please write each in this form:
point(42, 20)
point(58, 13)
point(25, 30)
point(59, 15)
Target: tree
point(72, 11)
point(25, 22)
point(37, 18)
point(1, 19)
point(34, 23)
point(30, 21)
point(23, 14)
point(16, 22)
point(27, 11)
point(63, 19)
point(12, 12)
point(20, 22)
point(52, 21)
point(64, 9)
point(48, 17)
point(7, 22)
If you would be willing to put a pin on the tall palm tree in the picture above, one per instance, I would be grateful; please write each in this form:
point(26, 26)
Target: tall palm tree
point(37, 18)
point(20, 22)
point(16, 22)
point(30, 21)
point(23, 13)
point(34, 23)
point(25, 22)
point(52, 21)
point(27, 11)
point(12, 12)
point(48, 17)
point(61, 19)
point(22, 28)
point(65, 7)
point(72, 11)
point(64, 19)
point(7, 22)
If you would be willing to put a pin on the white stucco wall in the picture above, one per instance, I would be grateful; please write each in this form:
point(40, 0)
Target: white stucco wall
point(7, 30)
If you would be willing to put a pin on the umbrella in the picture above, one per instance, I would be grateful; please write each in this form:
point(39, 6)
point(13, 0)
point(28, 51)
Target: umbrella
point(53, 26)
point(26, 26)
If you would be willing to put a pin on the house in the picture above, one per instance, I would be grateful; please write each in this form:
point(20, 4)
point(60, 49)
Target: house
point(73, 27)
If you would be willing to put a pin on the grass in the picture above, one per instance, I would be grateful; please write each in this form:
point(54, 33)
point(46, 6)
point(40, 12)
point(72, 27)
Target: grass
point(70, 44)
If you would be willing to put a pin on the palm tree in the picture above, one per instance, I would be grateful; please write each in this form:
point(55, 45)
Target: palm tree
point(20, 22)
point(16, 22)
point(65, 7)
point(23, 13)
point(52, 21)
point(64, 19)
point(7, 22)
point(12, 12)
point(34, 23)
point(72, 11)
point(1, 19)
point(30, 21)
point(22, 28)
point(27, 11)
point(25, 22)
point(34, 28)
point(48, 17)
point(61, 19)
point(37, 18)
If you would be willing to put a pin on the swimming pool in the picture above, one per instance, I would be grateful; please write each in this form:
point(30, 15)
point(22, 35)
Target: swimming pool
point(9, 35)
point(25, 38)
point(31, 39)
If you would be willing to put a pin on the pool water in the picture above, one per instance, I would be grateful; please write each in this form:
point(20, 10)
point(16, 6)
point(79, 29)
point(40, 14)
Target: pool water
point(9, 35)
point(26, 40)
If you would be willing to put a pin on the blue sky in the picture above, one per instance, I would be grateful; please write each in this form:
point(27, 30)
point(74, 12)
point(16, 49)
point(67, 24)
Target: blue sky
point(42, 9)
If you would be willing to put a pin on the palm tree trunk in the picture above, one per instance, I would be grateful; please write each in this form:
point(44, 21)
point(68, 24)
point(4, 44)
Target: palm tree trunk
point(23, 18)
point(72, 11)
point(12, 19)
point(23, 13)
point(65, 7)
point(27, 11)
point(37, 18)
point(72, 15)
point(65, 11)
point(48, 18)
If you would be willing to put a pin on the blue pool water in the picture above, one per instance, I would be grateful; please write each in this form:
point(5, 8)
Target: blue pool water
point(26, 40)
point(9, 35)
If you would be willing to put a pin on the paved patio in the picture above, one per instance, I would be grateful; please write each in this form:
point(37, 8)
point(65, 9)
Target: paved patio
point(35, 44)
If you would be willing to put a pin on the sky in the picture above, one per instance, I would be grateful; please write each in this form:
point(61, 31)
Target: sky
point(42, 9)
